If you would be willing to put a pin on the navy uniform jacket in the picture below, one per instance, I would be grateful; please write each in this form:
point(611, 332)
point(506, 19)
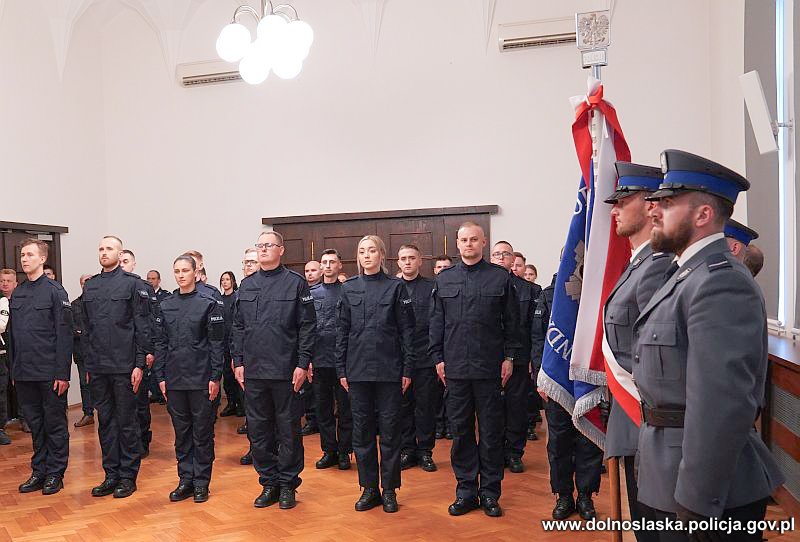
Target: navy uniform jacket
point(77, 324)
point(326, 299)
point(700, 345)
point(420, 290)
point(227, 312)
point(527, 295)
point(375, 330)
point(637, 284)
point(206, 289)
point(274, 324)
point(474, 321)
point(541, 320)
point(190, 341)
point(162, 294)
point(118, 329)
point(40, 332)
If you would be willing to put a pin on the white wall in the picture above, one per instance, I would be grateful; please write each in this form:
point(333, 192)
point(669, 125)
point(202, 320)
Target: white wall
point(51, 140)
point(432, 117)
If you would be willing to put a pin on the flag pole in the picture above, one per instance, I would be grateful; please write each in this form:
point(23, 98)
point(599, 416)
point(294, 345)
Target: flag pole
point(592, 32)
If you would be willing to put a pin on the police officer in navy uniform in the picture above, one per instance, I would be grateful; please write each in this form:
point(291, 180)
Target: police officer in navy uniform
point(633, 290)
point(115, 342)
point(188, 367)
point(40, 348)
point(739, 237)
point(375, 359)
point(574, 459)
point(700, 361)
point(335, 430)
point(127, 261)
point(473, 340)
point(421, 401)
point(274, 332)
point(516, 390)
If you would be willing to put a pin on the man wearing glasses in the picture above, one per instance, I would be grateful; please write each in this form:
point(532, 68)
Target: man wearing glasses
point(273, 335)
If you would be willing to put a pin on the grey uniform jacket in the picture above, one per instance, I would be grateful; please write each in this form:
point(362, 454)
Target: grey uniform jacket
point(701, 345)
point(635, 287)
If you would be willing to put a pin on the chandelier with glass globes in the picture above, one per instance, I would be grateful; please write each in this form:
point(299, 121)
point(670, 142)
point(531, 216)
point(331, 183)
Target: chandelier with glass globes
point(282, 42)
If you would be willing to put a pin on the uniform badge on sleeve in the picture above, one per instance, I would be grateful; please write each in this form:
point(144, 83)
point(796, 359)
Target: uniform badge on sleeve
point(307, 298)
point(66, 304)
point(144, 294)
point(215, 319)
point(405, 301)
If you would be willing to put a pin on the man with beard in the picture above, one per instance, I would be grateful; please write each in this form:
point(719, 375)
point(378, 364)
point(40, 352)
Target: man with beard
point(633, 290)
point(700, 362)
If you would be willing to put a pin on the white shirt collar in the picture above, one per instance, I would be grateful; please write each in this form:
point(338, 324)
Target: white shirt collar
point(639, 249)
point(697, 246)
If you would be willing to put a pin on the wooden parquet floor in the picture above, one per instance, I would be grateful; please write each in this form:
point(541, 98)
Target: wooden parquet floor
point(325, 499)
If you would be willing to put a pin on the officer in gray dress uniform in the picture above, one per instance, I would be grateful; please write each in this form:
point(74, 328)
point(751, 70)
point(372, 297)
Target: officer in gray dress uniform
point(739, 237)
point(635, 287)
point(700, 362)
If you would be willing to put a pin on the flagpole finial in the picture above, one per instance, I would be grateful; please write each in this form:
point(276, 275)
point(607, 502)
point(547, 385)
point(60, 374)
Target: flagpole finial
point(593, 31)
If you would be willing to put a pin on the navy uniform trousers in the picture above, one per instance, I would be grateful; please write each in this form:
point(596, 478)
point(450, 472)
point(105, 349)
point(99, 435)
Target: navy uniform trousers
point(335, 431)
point(273, 427)
point(471, 459)
point(377, 404)
point(574, 459)
point(193, 420)
point(419, 407)
point(118, 427)
point(46, 414)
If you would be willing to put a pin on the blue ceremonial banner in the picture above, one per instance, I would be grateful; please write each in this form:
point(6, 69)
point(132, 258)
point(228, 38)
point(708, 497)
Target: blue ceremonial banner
point(554, 375)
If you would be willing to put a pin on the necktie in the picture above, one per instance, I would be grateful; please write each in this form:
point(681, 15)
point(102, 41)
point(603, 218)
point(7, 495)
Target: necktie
point(670, 271)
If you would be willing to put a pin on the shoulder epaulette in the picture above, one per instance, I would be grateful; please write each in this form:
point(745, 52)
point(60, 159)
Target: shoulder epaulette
point(317, 285)
point(354, 277)
point(659, 255)
point(134, 275)
point(717, 261)
point(296, 274)
point(447, 269)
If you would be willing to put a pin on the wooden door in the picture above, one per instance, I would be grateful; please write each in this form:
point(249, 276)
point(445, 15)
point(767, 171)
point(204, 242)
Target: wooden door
point(344, 237)
point(425, 233)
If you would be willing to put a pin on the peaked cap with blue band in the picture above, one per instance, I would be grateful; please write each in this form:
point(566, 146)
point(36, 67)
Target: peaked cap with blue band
point(740, 232)
point(635, 178)
point(684, 171)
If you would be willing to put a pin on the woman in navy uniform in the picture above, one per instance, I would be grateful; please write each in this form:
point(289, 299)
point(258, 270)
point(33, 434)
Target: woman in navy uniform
point(188, 366)
point(374, 361)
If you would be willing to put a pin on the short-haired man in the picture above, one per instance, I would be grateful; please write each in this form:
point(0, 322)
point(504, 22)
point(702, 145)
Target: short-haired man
point(441, 262)
point(335, 431)
point(154, 280)
point(201, 285)
point(127, 261)
point(313, 272)
point(518, 387)
point(8, 281)
point(700, 362)
point(115, 341)
point(49, 272)
point(40, 349)
point(518, 266)
point(420, 402)
point(273, 335)
point(78, 326)
point(633, 291)
point(249, 266)
point(739, 237)
point(753, 259)
point(473, 340)
point(442, 423)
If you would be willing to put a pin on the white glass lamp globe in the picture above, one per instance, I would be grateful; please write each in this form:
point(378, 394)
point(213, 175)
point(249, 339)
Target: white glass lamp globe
point(270, 25)
point(233, 42)
point(288, 68)
point(299, 37)
point(254, 67)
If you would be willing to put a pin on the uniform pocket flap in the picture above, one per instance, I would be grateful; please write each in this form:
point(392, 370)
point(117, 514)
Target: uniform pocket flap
point(662, 334)
point(448, 292)
point(492, 293)
point(247, 296)
point(617, 315)
point(42, 305)
point(120, 296)
point(354, 300)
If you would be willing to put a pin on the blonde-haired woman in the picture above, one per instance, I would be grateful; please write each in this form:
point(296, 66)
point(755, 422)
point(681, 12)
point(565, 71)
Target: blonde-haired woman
point(374, 361)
